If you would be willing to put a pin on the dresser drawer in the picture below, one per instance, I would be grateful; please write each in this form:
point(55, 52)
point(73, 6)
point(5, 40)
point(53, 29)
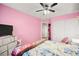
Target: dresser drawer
point(12, 45)
point(6, 41)
point(3, 48)
point(0, 42)
point(4, 54)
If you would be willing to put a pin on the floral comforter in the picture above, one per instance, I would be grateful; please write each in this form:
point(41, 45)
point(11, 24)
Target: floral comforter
point(50, 48)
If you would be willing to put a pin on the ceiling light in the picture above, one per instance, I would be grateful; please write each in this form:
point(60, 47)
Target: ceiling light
point(46, 12)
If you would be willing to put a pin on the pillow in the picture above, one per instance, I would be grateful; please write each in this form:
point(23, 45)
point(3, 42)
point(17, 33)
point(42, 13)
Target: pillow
point(65, 40)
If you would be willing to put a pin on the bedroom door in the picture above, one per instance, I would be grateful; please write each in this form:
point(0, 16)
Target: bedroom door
point(44, 30)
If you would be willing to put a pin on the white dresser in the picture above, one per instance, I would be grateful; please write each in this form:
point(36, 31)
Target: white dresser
point(7, 44)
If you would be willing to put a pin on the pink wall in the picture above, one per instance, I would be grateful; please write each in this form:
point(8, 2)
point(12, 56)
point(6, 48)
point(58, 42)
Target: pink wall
point(63, 17)
point(26, 27)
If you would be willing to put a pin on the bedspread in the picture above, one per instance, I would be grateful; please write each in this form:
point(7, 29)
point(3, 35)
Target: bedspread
point(50, 48)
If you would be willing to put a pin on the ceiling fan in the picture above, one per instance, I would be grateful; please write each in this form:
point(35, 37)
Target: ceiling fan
point(46, 8)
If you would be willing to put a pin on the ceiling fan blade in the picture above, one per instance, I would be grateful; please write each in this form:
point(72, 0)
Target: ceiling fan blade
point(46, 5)
point(39, 10)
point(51, 10)
point(42, 5)
point(54, 4)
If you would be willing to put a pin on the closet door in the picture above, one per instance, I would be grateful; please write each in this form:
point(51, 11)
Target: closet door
point(71, 28)
point(57, 30)
point(64, 28)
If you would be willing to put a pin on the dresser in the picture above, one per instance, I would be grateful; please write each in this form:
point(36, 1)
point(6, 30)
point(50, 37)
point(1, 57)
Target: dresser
point(7, 44)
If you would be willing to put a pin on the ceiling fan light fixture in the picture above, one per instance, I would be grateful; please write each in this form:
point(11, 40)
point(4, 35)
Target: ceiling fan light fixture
point(46, 12)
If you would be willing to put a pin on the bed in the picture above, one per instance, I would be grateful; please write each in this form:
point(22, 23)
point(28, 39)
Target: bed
point(46, 48)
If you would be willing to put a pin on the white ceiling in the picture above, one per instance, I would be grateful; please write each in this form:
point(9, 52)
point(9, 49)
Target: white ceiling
point(30, 8)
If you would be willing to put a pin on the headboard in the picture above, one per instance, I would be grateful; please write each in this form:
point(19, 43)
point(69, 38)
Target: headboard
point(5, 29)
